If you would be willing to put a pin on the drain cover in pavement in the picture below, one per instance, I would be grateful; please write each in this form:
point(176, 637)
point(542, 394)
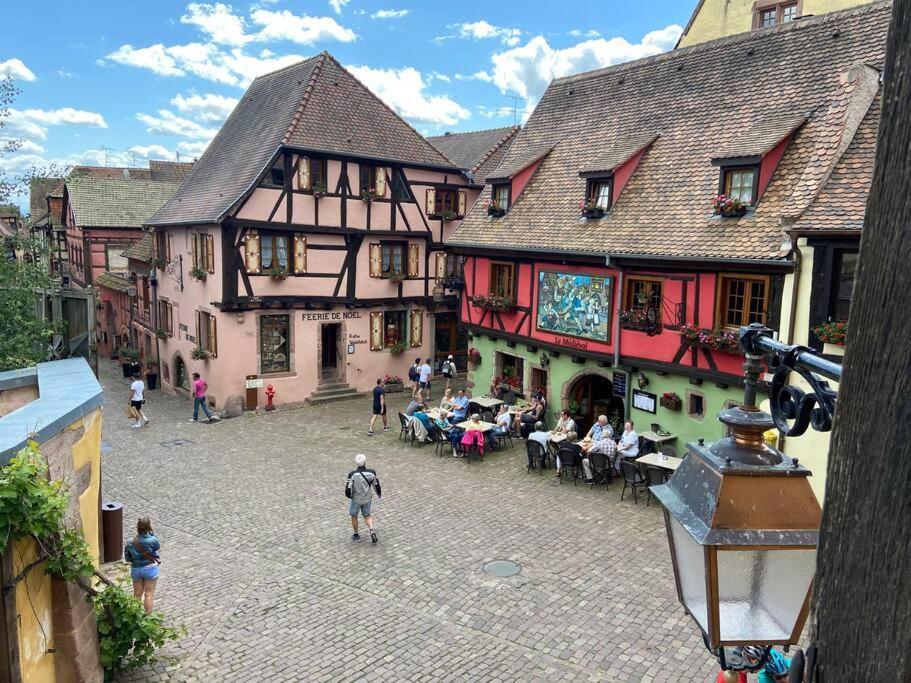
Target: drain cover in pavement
point(174, 443)
point(106, 447)
point(502, 568)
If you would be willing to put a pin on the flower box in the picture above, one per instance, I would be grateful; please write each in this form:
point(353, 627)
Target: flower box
point(636, 319)
point(492, 302)
point(832, 332)
point(729, 208)
point(671, 402)
point(717, 340)
point(393, 387)
point(590, 209)
point(495, 211)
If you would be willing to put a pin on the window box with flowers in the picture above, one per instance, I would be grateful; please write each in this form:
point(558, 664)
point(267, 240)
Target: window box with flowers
point(729, 207)
point(277, 273)
point(199, 353)
point(398, 348)
point(832, 332)
point(393, 384)
point(641, 319)
point(318, 190)
point(589, 208)
point(495, 210)
point(394, 276)
point(492, 302)
point(474, 357)
point(671, 401)
point(717, 340)
point(368, 195)
point(198, 273)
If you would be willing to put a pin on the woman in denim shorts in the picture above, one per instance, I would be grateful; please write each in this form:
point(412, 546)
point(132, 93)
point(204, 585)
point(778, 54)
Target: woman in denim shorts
point(142, 554)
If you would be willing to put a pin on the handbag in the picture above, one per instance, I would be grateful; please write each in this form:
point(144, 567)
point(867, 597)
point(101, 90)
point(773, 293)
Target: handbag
point(145, 553)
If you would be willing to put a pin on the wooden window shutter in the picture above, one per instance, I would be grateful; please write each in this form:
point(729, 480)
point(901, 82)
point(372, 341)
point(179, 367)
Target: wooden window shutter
point(195, 250)
point(213, 336)
point(303, 173)
point(430, 198)
point(417, 327)
point(380, 181)
point(463, 203)
point(300, 254)
point(376, 330)
point(198, 329)
point(210, 253)
point(376, 260)
point(440, 265)
point(170, 310)
point(167, 247)
point(251, 253)
point(413, 260)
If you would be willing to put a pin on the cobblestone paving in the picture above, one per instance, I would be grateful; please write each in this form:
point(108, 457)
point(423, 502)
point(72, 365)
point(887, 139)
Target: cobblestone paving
point(257, 559)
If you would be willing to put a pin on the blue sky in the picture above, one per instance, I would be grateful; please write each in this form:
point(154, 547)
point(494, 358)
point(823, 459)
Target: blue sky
point(153, 79)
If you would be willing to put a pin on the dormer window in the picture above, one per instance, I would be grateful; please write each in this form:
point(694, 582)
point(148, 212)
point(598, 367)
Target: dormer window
point(740, 182)
point(772, 13)
point(500, 193)
point(599, 191)
point(276, 175)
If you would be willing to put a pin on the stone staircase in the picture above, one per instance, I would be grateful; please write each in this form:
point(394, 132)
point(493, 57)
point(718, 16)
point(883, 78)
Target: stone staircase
point(329, 390)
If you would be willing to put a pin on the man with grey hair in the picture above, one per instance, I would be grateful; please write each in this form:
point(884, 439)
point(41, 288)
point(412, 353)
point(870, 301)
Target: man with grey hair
point(359, 489)
point(600, 430)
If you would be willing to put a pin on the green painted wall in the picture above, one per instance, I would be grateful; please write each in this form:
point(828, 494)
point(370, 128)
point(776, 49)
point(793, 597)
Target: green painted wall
point(562, 370)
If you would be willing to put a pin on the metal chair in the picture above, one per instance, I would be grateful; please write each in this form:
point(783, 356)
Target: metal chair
point(654, 476)
point(632, 478)
point(436, 437)
point(600, 469)
point(403, 419)
point(537, 456)
point(669, 451)
point(570, 463)
point(500, 438)
point(646, 446)
point(486, 416)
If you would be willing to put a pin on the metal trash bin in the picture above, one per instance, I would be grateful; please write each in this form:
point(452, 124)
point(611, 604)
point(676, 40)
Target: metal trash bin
point(112, 531)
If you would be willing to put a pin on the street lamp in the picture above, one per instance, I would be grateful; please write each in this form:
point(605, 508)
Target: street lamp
point(742, 520)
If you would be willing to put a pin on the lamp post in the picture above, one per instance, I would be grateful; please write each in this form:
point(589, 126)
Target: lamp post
point(742, 520)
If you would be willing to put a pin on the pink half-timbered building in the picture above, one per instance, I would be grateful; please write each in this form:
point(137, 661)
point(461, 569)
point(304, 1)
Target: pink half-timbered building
point(305, 248)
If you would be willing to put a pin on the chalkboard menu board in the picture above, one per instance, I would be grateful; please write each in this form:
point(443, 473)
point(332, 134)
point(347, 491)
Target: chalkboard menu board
point(620, 384)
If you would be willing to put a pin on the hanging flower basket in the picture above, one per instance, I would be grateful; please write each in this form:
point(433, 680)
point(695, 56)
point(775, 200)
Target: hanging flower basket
point(492, 302)
point(832, 332)
point(704, 338)
point(318, 189)
point(671, 401)
point(494, 209)
point(729, 208)
point(474, 357)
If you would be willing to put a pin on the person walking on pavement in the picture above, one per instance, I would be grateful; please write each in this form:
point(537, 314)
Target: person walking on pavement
point(137, 389)
point(379, 407)
point(199, 399)
point(142, 554)
point(448, 370)
point(414, 373)
point(359, 489)
point(425, 372)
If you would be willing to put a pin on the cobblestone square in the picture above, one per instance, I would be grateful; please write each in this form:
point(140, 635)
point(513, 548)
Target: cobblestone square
point(258, 562)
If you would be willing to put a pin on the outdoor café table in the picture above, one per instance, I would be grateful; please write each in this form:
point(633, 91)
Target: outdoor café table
point(485, 426)
point(659, 439)
point(486, 402)
point(436, 413)
point(668, 463)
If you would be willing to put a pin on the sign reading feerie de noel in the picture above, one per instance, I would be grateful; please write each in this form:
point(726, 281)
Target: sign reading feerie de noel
point(331, 315)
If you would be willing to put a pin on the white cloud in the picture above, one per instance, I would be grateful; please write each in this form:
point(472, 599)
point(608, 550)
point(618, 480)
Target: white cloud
point(338, 4)
point(156, 58)
point(527, 70)
point(482, 30)
point(208, 107)
point(390, 14)
point(440, 77)
point(168, 123)
point(33, 123)
point(403, 90)
point(151, 152)
point(476, 76)
point(218, 21)
point(193, 149)
point(303, 29)
point(578, 33)
point(63, 73)
point(17, 70)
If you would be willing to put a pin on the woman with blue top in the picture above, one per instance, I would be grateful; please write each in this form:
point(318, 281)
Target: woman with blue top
point(142, 554)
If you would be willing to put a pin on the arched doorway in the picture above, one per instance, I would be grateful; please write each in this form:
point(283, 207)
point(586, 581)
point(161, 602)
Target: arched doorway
point(181, 376)
point(591, 395)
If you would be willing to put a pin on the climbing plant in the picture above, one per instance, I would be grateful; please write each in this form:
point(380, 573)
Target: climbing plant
point(32, 506)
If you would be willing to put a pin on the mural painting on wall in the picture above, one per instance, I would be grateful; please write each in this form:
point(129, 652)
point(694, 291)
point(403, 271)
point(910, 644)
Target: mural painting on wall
point(574, 304)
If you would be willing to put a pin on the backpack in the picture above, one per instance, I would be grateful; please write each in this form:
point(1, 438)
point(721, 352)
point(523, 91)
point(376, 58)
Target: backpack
point(362, 486)
point(448, 368)
point(412, 373)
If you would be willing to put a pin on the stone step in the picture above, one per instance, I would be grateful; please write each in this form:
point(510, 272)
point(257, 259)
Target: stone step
point(331, 386)
point(322, 396)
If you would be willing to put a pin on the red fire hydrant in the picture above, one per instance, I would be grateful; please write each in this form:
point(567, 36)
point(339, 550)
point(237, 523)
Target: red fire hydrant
point(270, 394)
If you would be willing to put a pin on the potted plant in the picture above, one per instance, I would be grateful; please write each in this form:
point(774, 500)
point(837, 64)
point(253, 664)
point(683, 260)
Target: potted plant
point(575, 409)
point(198, 273)
point(447, 215)
point(368, 195)
point(393, 384)
point(398, 348)
point(590, 209)
point(474, 356)
point(832, 334)
point(152, 374)
point(729, 207)
point(161, 334)
point(128, 358)
point(670, 400)
point(199, 353)
point(635, 319)
point(494, 209)
point(491, 302)
point(395, 276)
point(319, 189)
point(277, 273)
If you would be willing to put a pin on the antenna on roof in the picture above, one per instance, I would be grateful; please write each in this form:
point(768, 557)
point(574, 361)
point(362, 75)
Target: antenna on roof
point(515, 109)
point(106, 150)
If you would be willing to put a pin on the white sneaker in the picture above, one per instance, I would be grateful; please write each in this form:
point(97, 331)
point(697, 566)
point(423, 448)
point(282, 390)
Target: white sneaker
point(136, 426)
point(193, 419)
point(146, 421)
point(214, 418)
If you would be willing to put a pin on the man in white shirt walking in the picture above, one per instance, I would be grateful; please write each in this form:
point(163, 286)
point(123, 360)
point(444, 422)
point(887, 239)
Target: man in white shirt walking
point(424, 374)
point(137, 388)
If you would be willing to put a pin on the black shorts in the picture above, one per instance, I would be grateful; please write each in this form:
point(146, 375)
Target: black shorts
point(424, 385)
point(377, 410)
point(136, 404)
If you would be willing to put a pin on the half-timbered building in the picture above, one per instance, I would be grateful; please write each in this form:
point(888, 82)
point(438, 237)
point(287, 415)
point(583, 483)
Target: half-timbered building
point(304, 250)
point(597, 268)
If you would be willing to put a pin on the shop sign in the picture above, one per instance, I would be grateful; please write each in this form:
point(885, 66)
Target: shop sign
point(257, 383)
point(331, 315)
point(619, 384)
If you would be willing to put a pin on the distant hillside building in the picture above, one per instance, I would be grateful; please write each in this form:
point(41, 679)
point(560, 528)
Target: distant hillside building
point(718, 18)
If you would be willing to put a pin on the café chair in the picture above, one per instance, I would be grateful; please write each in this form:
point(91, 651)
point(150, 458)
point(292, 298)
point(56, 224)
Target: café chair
point(632, 479)
point(654, 476)
point(570, 463)
point(537, 456)
point(601, 472)
point(403, 419)
point(669, 451)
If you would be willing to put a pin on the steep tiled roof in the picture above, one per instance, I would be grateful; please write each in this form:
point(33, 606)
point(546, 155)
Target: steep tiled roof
point(694, 97)
point(315, 104)
point(761, 138)
point(513, 163)
point(38, 191)
point(478, 151)
point(105, 202)
point(113, 281)
point(169, 171)
point(619, 152)
point(141, 250)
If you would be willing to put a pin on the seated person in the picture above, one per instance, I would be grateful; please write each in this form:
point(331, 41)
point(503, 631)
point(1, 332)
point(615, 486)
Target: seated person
point(598, 429)
point(459, 408)
point(425, 419)
point(503, 420)
point(474, 433)
point(446, 402)
point(629, 444)
point(540, 436)
point(413, 406)
point(605, 444)
point(565, 424)
point(527, 418)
